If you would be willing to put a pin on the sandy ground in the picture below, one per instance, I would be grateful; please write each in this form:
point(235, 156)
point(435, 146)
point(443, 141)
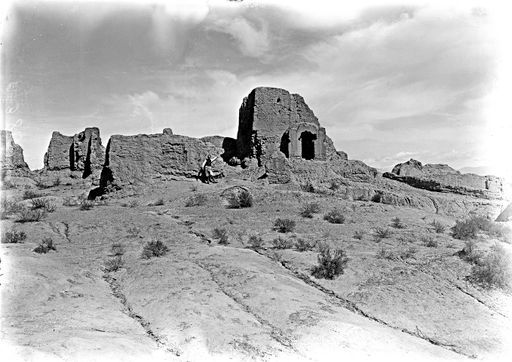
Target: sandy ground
point(204, 301)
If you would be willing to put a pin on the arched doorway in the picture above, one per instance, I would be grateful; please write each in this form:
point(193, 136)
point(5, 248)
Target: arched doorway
point(285, 143)
point(308, 145)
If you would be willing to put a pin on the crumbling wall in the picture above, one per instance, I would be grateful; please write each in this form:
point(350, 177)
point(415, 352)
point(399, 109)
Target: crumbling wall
point(443, 178)
point(144, 158)
point(81, 152)
point(11, 157)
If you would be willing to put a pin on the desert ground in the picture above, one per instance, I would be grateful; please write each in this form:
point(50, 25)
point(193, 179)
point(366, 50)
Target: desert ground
point(216, 295)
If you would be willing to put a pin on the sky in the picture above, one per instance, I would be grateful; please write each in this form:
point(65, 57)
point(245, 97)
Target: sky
point(390, 82)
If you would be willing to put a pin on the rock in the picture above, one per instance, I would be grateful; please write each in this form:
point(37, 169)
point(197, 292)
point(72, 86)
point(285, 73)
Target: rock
point(506, 214)
point(12, 160)
point(168, 131)
point(143, 158)
point(82, 152)
point(443, 178)
point(280, 132)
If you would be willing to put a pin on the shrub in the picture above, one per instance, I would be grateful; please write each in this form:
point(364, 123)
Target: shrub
point(117, 249)
point(196, 200)
point(334, 186)
point(56, 182)
point(330, 263)
point(303, 245)
point(381, 233)
point(113, 264)
point(284, 225)
point(493, 270)
point(255, 242)
point(9, 208)
point(409, 252)
point(133, 231)
point(27, 215)
point(358, 234)
point(133, 203)
point(86, 204)
point(193, 188)
point(334, 217)
point(221, 235)
point(464, 229)
point(470, 253)
point(45, 246)
point(397, 223)
point(42, 203)
point(430, 242)
point(386, 254)
point(438, 227)
point(29, 194)
point(282, 243)
point(307, 187)
point(240, 200)
point(154, 249)
point(14, 237)
point(309, 209)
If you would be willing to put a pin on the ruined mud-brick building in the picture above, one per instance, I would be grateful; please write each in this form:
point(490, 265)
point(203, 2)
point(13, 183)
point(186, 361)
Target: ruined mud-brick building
point(82, 152)
point(145, 158)
point(283, 135)
point(443, 178)
point(12, 162)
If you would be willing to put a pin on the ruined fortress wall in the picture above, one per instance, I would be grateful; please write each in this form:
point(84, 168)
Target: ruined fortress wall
point(11, 154)
point(142, 158)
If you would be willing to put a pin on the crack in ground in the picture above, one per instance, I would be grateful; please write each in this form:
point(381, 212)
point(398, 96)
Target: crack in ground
point(57, 230)
point(354, 308)
point(276, 334)
point(160, 340)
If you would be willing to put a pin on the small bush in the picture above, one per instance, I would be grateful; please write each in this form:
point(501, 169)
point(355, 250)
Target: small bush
point(470, 253)
point(29, 194)
point(381, 233)
point(493, 270)
point(14, 237)
point(27, 215)
point(383, 253)
point(221, 235)
point(240, 200)
point(133, 203)
point(303, 245)
point(56, 182)
point(154, 249)
point(430, 242)
point(438, 226)
point(196, 200)
point(9, 208)
point(193, 188)
point(113, 264)
point(409, 252)
point(133, 231)
point(117, 249)
point(86, 204)
point(42, 203)
point(45, 246)
point(464, 229)
point(330, 263)
point(334, 186)
point(397, 223)
point(307, 187)
point(255, 242)
point(309, 209)
point(282, 243)
point(284, 225)
point(358, 234)
point(334, 217)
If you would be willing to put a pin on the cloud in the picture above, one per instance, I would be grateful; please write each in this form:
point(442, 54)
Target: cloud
point(253, 40)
